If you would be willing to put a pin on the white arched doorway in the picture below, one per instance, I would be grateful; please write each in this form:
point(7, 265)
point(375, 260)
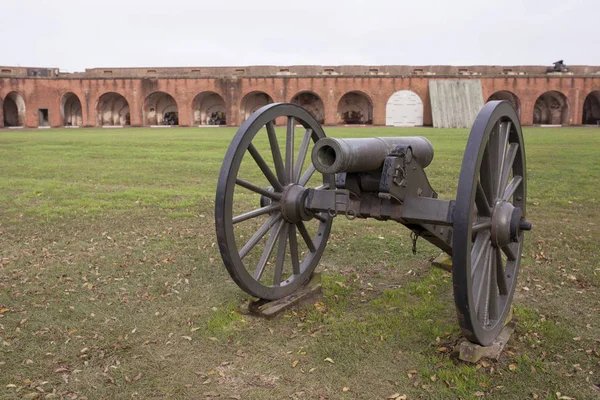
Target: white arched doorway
point(404, 108)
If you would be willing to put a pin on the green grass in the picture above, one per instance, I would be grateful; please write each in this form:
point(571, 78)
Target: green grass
point(111, 284)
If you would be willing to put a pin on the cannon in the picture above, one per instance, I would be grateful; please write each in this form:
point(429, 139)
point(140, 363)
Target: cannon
point(274, 210)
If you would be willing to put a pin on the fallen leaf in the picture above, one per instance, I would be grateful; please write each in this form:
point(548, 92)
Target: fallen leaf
point(512, 367)
point(295, 363)
point(479, 394)
point(329, 360)
point(186, 337)
point(345, 389)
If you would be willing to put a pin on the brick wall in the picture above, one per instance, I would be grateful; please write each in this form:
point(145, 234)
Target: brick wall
point(47, 93)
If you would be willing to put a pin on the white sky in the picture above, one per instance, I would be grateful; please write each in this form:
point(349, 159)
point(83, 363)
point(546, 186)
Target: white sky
point(78, 34)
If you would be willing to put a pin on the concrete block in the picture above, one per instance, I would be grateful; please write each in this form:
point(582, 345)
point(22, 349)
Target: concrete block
point(471, 352)
point(271, 308)
point(443, 261)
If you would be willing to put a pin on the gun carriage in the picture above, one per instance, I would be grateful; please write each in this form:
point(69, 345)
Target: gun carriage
point(274, 214)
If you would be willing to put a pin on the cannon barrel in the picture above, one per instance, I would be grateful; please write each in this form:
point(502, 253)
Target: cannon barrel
point(331, 156)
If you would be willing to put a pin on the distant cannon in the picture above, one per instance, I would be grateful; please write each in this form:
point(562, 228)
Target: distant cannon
point(559, 66)
point(381, 178)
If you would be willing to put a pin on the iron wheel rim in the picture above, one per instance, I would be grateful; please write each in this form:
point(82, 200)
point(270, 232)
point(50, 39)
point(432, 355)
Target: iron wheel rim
point(229, 246)
point(493, 172)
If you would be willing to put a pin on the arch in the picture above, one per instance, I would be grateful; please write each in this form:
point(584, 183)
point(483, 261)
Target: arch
point(551, 108)
point(591, 109)
point(404, 108)
point(508, 96)
point(160, 108)
point(112, 109)
point(355, 108)
point(70, 110)
point(208, 108)
point(252, 102)
point(14, 110)
point(312, 103)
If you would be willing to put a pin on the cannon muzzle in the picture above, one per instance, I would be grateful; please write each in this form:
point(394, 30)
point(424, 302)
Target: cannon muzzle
point(332, 156)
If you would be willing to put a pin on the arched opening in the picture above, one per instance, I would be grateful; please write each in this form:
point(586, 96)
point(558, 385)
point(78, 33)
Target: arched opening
point(404, 108)
point(160, 108)
point(355, 108)
point(112, 109)
point(252, 102)
point(311, 103)
point(209, 109)
point(551, 108)
point(591, 109)
point(14, 110)
point(508, 96)
point(70, 110)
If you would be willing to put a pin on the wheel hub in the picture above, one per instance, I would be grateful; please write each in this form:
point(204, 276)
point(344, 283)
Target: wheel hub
point(507, 223)
point(292, 204)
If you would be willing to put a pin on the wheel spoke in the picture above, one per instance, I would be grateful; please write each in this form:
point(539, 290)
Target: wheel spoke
point(305, 235)
point(503, 143)
point(481, 200)
point(259, 234)
point(294, 250)
point(481, 225)
point(302, 154)
point(289, 150)
point(262, 262)
point(320, 217)
point(481, 282)
point(510, 252)
point(307, 175)
point(255, 213)
point(277, 160)
point(502, 284)
point(512, 187)
point(492, 301)
point(265, 168)
point(494, 162)
point(486, 178)
point(259, 190)
point(507, 164)
point(279, 262)
point(478, 251)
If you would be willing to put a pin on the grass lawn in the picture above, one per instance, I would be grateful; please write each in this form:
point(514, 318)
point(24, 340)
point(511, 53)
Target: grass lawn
point(111, 284)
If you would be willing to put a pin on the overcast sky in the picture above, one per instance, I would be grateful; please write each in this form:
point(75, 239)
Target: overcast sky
point(78, 34)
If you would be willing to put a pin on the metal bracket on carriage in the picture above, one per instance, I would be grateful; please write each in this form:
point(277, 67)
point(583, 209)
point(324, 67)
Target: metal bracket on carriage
point(322, 200)
point(402, 176)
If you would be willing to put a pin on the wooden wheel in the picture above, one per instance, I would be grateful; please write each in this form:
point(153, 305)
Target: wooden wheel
point(259, 204)
point(489, 220)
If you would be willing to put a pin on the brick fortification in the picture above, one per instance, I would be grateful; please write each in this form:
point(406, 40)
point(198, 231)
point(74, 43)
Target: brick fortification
point(33, 97)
